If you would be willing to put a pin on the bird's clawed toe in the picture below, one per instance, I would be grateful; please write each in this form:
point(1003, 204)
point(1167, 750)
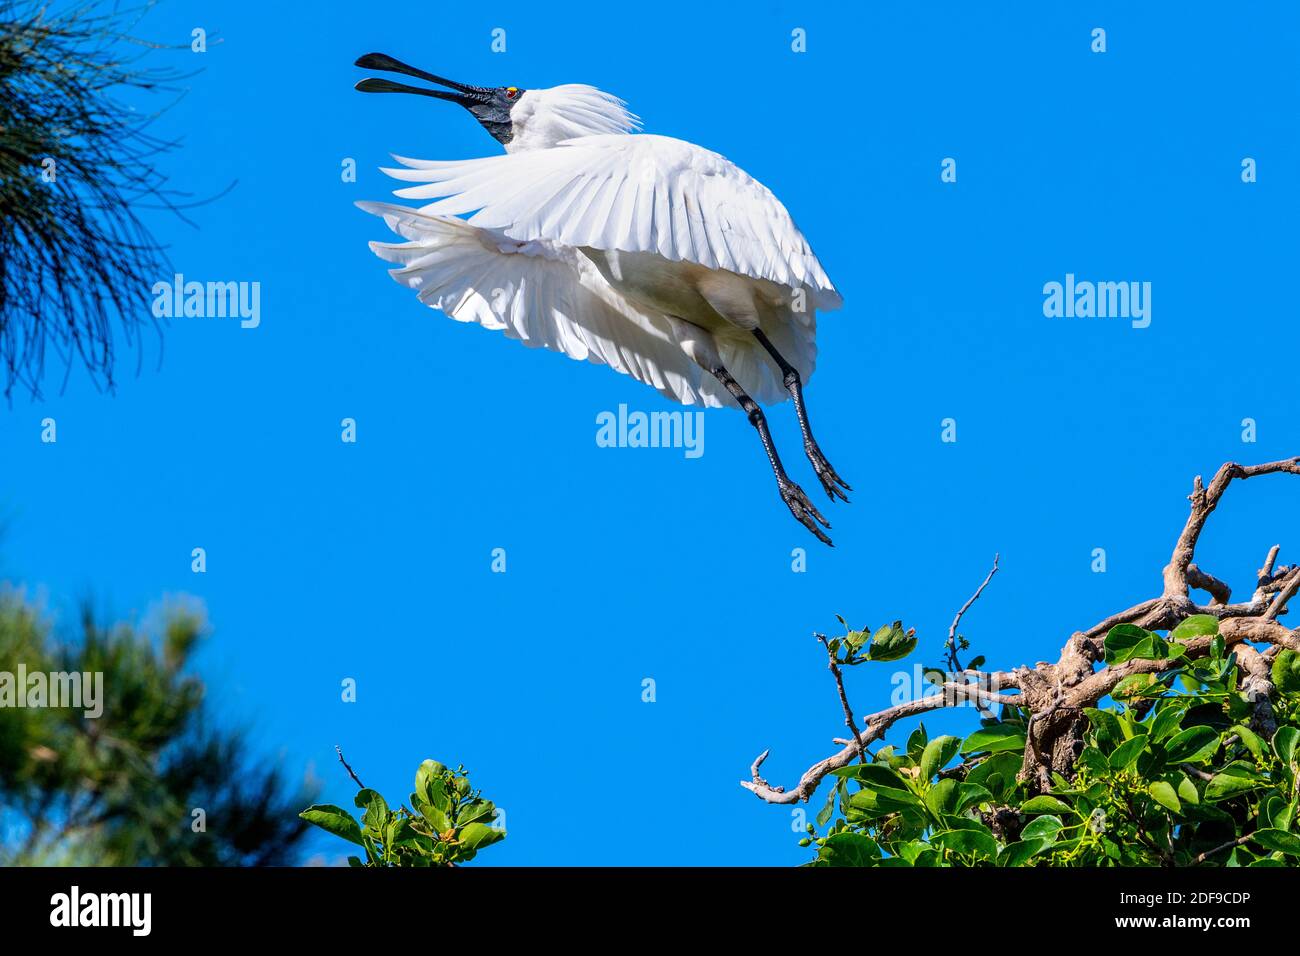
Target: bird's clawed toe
point(803, 510)
point(835, 485)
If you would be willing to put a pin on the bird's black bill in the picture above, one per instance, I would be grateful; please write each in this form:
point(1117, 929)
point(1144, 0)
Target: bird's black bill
point(465, 94)
point(373, 85)
point(491, 107)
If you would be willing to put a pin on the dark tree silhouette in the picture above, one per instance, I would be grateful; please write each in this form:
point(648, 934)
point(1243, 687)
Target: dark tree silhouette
point(77, 163)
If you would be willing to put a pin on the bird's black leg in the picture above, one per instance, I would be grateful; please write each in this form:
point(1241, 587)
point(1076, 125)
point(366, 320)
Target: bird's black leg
point(794, 385)
point(793, 496)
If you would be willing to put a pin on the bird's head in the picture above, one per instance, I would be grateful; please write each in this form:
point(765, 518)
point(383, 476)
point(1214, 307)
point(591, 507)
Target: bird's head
point(491, 106)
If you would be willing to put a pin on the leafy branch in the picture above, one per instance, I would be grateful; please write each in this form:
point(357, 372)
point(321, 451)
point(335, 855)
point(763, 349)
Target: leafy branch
point(451, 821)
point(1193, 761)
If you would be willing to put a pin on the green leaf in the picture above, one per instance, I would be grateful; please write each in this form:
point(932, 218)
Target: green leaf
point(1129, 642)
point(849, 849)
point(937, 754)
point(431, 783)
point(438, 819)
point(855, 640)
point(1275, 812)
point(475, 811)
point(876, 802)
point(916, 742)
point(970, 795)
point(979, 842)
point(997, 774)
point(428, 772)
point(334, 819)
point(910, 850)
point(1192, 745)
point(1122, 640)
point(828, 809)
point(891, 643)
point(1165, 795)
point(1234, 780)
point(478, 835)
point(1279, 840)
point(1045, 803)
point(1158, 649)
point(1045, 828)
point(996, 739)
point(1285, 743)
point(1017, 854)
point(376, 816)
point(1128, 751)
point(1168, 719)
point(1251, 740)
point(400, 831)
point(1187, 791)
point(1105, 728)
point(1286, 673)
point(876, 775)
point(1198, 625)
point(1094, 760)
point(942, 797)
point(1133, 686)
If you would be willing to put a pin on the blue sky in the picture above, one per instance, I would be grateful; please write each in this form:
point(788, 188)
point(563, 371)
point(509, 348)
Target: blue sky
point(372, 561)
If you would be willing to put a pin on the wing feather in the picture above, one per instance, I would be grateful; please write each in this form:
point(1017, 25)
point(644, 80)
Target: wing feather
point(635, 193)
point(544, 294)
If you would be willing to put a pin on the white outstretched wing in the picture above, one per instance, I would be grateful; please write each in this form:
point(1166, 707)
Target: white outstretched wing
point(638, 193)
point(541, 293)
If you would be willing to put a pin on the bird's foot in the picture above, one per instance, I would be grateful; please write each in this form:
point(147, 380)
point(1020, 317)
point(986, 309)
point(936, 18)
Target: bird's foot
point(832, 482)
point(803, 510)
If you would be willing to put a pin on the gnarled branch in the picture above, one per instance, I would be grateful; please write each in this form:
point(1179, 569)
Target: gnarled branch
point(1056, 694)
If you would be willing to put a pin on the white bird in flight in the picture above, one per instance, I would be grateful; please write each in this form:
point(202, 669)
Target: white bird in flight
point(650, 255)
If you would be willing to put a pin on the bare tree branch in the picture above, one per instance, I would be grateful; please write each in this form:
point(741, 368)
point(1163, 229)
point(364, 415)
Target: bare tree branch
point(1208, 583)
point(956, 621)
point(1283, 596)
point(948, 695)
point(355, 779)
point(1204, 501)
point(844, 698)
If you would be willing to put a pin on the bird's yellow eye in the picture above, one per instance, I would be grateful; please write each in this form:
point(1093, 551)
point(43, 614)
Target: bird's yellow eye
point(512, 92)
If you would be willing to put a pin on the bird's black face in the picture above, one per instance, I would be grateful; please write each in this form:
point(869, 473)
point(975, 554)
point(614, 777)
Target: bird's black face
point(490, 105)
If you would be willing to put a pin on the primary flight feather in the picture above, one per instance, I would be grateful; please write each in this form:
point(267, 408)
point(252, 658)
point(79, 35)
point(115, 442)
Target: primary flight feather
point(648, 254)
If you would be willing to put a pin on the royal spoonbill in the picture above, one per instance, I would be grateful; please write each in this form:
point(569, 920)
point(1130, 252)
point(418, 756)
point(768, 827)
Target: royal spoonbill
point(650, 255)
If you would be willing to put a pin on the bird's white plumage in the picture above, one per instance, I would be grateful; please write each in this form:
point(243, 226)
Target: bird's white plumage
point(543, 118)
point(647, 254)
point(534, 292)
point(634, 193)
point(548, 295)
